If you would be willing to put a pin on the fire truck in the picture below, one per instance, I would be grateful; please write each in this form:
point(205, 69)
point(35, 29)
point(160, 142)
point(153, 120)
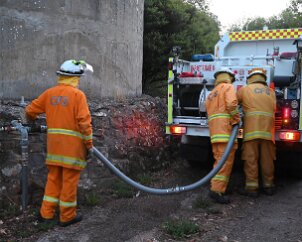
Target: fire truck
point(278, 51)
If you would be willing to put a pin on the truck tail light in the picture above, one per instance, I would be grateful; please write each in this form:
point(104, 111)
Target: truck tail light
point(286, 115)
point(289, 136)
point(178, 130)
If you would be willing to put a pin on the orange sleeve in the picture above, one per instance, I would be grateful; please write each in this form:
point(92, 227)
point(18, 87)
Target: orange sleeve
point(232, 104)
point(83, 118)
point(36, 107)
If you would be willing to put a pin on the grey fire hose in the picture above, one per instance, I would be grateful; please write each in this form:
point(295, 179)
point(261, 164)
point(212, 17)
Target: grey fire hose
point(172, 190)
point(158, 191)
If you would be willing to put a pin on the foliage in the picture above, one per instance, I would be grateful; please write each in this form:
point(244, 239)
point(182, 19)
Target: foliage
point(291, 17)
point(206, 205)
point(9, 211)
point(122, 190)
point(200, 4)
point(180, 229)
point(174, 22)
point(144, 179)
point(92, 199)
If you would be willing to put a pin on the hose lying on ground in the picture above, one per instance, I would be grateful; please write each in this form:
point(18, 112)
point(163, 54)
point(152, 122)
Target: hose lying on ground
point(177, 189)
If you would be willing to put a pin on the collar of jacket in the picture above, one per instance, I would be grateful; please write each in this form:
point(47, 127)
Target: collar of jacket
point(223, 78)
point(69, 80)
point(256, 79)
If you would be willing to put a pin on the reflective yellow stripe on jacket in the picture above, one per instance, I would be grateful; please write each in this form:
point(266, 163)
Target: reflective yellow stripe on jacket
point(259, 113)
point(219, 115)
point(69, 132)
point(257, 135)
point(216, 138)
point(69, 161)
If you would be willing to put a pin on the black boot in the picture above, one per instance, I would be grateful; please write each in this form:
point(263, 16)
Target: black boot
point(41, 219)
point(77, 219)
point(270, 191)
point(219, 197)
point(249, 193)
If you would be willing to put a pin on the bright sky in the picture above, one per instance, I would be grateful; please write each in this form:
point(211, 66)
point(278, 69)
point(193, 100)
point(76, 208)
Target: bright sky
point(236, 11)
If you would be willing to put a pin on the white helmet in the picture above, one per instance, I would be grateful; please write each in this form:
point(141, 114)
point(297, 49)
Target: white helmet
point(74, 68)
point(258, 71)
point(225, 70)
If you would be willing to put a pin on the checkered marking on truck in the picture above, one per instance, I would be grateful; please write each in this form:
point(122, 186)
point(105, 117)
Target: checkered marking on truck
point(266, 34)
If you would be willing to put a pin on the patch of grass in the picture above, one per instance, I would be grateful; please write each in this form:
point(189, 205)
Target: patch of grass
point(10, 211)
point(23, 233)
point(46, 226)
point(122, 190)
point(203, 203)
point(180, 229)
point(214, 211)
point(92, 199)
point(206, 204)
point(144, 179)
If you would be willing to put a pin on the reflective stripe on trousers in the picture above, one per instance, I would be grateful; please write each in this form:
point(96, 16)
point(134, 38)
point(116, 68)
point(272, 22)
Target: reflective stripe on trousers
point(60, 189)
point(220, 181)
point(254, 152)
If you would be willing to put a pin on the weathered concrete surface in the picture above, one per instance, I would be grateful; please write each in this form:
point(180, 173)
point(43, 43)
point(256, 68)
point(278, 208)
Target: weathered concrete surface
point(36, 36)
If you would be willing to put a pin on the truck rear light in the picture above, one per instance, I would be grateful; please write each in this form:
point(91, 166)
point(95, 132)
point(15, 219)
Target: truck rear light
point(178, 130)
point(289, 136)
point(286, 113)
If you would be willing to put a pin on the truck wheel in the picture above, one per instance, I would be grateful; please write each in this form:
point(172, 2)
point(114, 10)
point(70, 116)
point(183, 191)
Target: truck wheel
point(197, 155)
point(289, 164)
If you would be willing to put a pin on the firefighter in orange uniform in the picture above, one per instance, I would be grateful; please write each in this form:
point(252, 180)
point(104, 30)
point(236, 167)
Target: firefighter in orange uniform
point(69, 141)
point(259, 105)
point(222, 110)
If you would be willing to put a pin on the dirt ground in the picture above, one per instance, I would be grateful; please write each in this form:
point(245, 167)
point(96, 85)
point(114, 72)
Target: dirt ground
point(144, 217)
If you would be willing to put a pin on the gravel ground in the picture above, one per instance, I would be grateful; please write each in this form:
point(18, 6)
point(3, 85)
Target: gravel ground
point(142, 217)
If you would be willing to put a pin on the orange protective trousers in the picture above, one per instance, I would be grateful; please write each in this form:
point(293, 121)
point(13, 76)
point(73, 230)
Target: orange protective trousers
point(60, 189)
point(251, 152)
point(220, 181)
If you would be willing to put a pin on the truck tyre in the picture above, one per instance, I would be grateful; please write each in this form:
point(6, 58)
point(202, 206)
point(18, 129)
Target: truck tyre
point(198, 155)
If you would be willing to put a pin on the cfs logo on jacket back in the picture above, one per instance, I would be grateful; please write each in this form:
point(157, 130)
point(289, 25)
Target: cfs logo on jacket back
point(59, 100)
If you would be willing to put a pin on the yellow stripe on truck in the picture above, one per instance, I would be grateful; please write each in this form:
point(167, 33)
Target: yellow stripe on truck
point(270, 34)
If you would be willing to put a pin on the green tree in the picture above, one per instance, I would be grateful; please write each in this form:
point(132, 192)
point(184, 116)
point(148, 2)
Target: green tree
point(174, 22)
point(200, 4)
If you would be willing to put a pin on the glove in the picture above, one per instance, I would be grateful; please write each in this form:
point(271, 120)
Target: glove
point(89, 155)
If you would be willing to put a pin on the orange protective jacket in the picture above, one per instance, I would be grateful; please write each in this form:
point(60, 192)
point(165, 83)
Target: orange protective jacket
point(222, 110)
point(69, 129)
point(259, 105)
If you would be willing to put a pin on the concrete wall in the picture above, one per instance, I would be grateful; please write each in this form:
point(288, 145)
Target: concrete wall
point(36, 36)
